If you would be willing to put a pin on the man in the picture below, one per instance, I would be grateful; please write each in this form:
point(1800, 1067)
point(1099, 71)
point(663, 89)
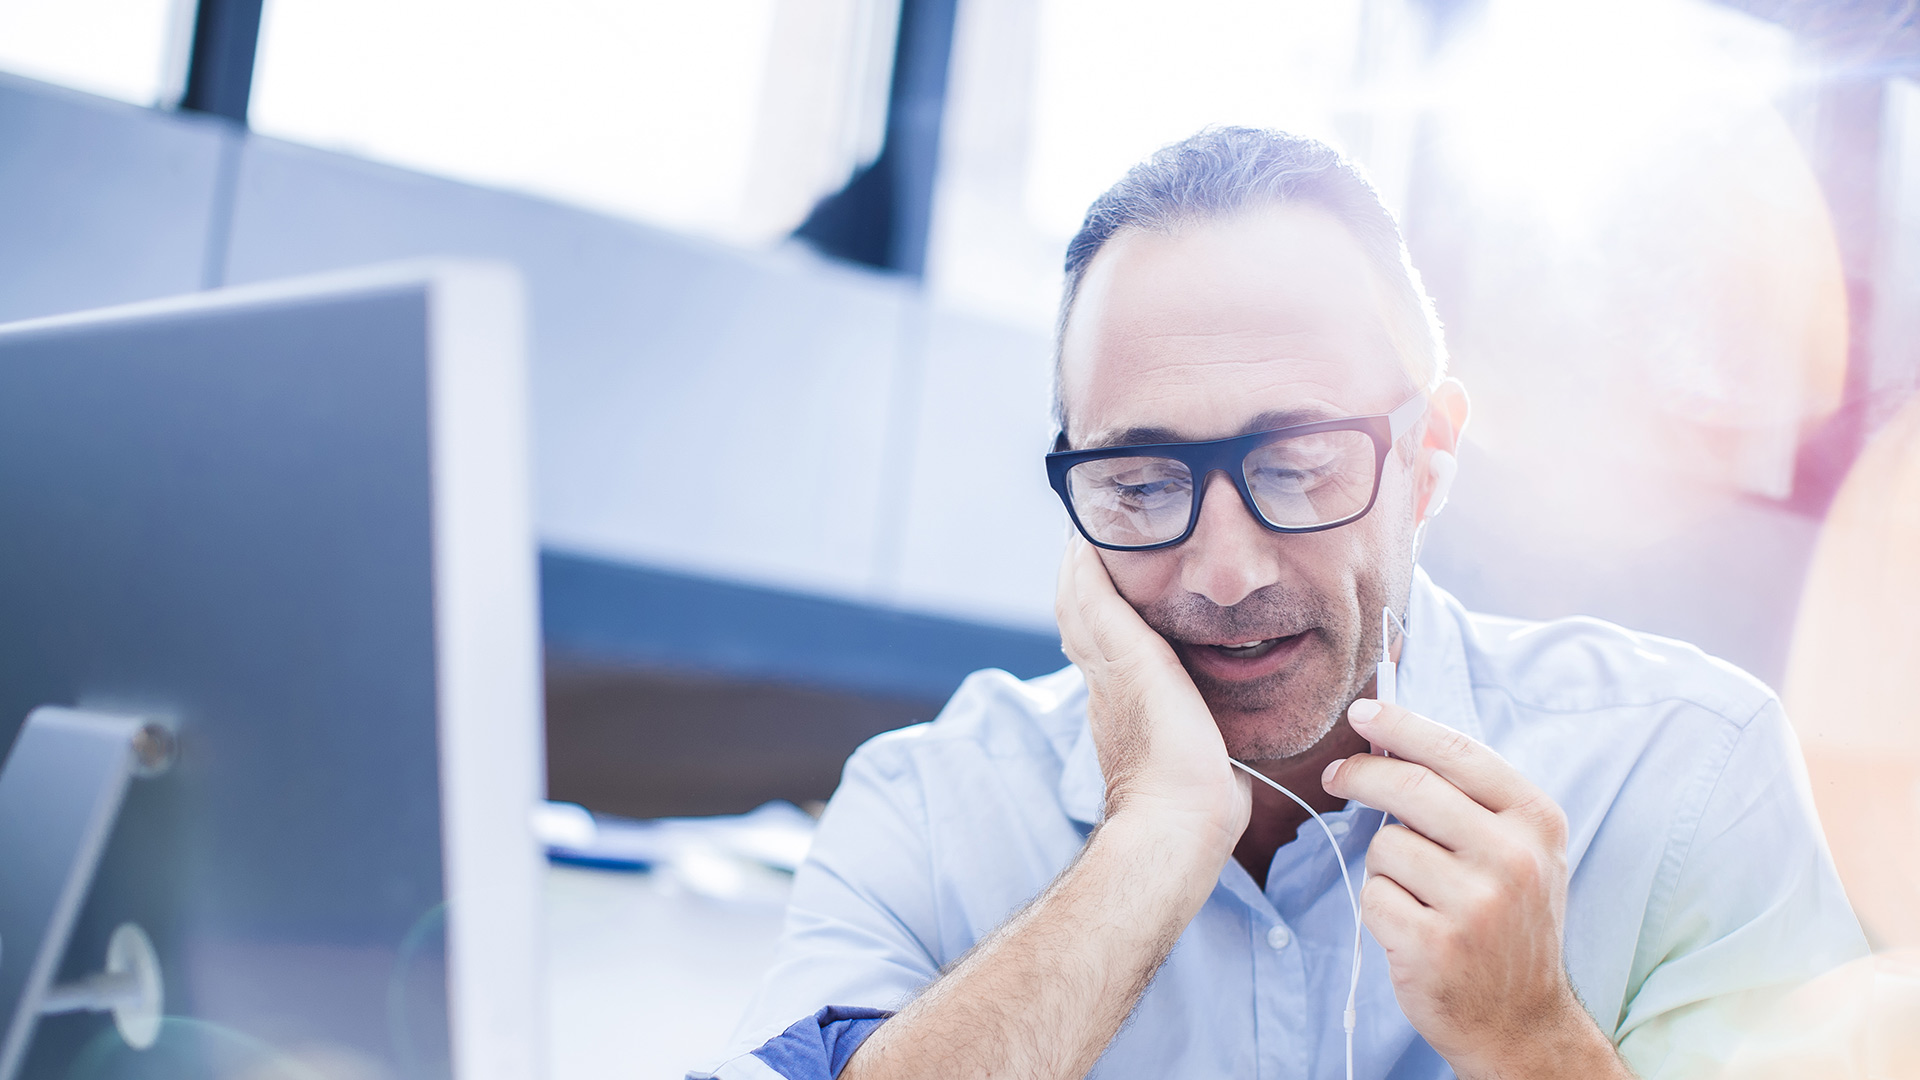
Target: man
point(1600, 847)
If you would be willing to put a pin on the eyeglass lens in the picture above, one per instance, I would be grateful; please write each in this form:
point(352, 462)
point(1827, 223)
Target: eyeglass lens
point(1297, 483)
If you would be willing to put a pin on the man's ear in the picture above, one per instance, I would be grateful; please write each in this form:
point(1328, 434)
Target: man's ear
point(1447, 411)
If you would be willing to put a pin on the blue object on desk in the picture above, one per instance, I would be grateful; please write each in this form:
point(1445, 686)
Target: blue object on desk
point(774, 835)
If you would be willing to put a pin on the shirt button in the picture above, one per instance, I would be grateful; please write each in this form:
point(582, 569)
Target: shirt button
point(1278, 937)
point(1339, 827)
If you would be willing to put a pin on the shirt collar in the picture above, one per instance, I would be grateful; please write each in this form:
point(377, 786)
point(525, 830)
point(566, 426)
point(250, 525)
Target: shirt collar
point(1432, 676)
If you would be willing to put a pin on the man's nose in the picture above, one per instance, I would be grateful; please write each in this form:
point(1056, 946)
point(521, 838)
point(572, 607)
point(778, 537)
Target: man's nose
point(1230, 554)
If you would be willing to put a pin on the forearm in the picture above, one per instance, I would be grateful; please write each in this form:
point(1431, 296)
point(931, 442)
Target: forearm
point(1043, 995)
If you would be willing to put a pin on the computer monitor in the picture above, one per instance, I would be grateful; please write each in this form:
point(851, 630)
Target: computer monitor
point(289, 525)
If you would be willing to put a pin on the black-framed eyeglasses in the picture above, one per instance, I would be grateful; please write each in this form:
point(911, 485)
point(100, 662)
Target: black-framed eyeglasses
point(1296, 479)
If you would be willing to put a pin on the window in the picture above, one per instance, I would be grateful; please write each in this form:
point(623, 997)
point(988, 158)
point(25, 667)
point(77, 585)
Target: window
point(1052, 101)
point(134, 50)
point(726, 117)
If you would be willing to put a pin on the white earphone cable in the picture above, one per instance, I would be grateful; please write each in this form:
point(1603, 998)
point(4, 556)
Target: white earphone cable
point(1350, 1018)
point(1385, 691)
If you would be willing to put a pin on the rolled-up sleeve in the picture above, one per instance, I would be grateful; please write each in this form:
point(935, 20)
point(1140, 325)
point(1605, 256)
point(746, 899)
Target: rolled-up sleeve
point(855, 943)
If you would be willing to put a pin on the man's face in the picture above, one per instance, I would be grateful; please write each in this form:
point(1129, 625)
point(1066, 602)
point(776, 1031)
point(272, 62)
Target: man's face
point(1262, 319)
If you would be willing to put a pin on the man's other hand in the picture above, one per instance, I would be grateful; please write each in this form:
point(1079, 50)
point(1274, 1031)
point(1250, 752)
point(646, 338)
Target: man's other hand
point(1160, 751)
point(1468, 895)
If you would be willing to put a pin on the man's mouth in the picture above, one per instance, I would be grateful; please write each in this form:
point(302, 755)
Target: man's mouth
point(1240, 660)
point(1249, 650)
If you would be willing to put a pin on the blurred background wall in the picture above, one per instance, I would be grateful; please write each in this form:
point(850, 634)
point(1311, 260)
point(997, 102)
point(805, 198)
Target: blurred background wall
point(793, 267)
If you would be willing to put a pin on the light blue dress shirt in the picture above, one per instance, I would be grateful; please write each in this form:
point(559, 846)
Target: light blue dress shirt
point(1700, 880)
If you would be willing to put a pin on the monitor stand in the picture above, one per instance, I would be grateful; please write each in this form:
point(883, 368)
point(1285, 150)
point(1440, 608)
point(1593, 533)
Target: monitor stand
point(60, 791)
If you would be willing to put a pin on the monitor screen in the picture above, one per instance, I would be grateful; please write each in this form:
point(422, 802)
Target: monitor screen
point(291, 523)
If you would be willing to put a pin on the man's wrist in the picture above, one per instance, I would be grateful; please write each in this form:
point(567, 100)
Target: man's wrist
point(1571, 1044)
point(1167, 846)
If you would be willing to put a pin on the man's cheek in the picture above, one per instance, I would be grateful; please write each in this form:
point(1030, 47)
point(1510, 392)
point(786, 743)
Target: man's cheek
point(1142, 578)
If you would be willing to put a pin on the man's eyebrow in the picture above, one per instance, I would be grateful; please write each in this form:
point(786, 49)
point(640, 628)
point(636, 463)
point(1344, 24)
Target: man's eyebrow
point(1266, 421)
point(1279, 418)
point(1133, 436)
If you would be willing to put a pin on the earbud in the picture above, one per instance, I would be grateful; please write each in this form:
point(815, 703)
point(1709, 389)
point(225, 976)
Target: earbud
point(1444, 467)
point(1386, 678)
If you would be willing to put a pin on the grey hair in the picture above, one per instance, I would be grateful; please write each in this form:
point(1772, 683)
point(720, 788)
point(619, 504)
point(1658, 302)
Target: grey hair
point(1219, 171)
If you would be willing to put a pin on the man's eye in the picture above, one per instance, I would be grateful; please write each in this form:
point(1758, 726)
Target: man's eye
point(1150, 491)
point(1293, 479)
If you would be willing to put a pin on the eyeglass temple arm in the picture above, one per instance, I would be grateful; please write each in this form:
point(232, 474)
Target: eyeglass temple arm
point(1405, 414)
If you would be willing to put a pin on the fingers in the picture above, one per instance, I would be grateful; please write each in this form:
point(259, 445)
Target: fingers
point(1485, 777)
point(1442, 783)
point(1413, 793)
point(1094, 598)
point(1428, 872)
point(1066, 607)
point(1157, 741)
point(1096, 623)
point(1395, 917)
point(1078, 607)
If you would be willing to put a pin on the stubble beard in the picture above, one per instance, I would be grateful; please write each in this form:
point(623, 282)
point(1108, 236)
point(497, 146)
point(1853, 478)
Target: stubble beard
point(1287, 713)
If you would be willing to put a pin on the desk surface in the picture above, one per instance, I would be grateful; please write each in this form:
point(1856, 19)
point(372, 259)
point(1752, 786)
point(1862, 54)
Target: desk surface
point(646, 979)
